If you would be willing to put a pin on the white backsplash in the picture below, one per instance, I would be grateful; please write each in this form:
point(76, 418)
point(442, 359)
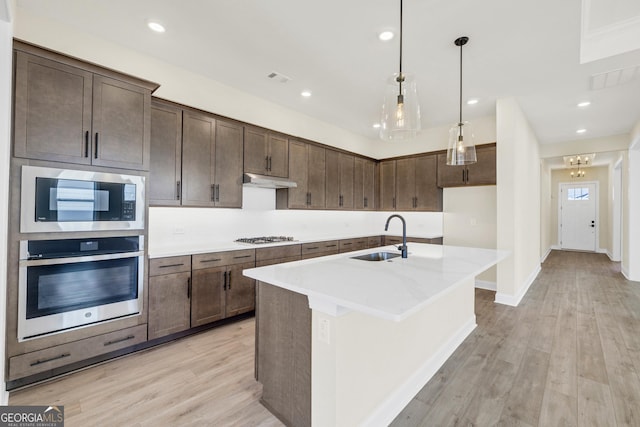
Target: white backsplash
point(199, 227)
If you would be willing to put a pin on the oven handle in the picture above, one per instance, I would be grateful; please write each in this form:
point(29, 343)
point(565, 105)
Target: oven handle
point(74, 260)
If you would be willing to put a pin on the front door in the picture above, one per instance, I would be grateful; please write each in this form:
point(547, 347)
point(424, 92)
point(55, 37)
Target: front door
point(578, 222)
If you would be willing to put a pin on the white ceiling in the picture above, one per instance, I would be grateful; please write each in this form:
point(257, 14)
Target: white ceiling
point(526, 49)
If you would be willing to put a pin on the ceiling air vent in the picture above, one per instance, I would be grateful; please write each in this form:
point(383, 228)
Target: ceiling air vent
point(278, 77)
point(615, 77)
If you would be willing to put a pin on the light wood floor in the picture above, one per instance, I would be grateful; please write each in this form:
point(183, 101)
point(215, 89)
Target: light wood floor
point(568, 355)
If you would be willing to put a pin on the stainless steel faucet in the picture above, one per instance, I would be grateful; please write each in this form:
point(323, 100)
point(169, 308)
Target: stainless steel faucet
point(402, 248)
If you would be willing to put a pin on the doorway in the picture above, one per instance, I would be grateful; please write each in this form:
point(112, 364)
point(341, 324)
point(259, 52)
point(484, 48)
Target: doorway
point(578, 216)
point(616, 197)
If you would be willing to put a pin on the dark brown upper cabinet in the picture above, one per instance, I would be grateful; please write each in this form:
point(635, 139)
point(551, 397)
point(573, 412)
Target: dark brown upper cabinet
point(481, 173)
point(416, 186)
point(212, 153)
point(70, 111)
point(265, 152)
point(339, 180)
point(165, 171)
point(364, 188)
point(387, 185)
point(307, 169)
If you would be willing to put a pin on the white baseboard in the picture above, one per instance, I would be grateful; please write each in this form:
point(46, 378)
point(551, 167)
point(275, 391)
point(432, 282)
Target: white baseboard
point(546, 254)
point(485, 284)
point(4, 397)
point(514, 300)
point(400, 398)
point(556, 247)
point(602, 251)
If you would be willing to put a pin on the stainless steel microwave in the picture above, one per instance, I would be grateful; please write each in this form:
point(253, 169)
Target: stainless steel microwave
point(73, 200)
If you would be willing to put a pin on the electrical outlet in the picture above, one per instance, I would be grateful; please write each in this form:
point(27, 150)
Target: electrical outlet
point(178, 230)
point(324, 329)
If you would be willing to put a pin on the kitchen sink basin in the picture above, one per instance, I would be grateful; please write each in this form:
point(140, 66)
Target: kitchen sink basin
point(376, 256)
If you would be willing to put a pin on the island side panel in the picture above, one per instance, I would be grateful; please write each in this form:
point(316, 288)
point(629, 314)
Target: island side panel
point(366, 369)
point(283, 353)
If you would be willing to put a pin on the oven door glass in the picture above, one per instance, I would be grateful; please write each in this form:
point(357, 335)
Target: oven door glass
point(59, 288)
point(72, 200)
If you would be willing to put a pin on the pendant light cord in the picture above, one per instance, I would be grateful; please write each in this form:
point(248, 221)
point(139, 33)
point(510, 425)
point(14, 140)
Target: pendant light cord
point(460, 121)
point(400, 76)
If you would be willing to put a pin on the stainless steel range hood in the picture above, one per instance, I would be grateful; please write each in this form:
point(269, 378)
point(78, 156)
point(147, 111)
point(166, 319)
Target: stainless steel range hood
point(264, 181)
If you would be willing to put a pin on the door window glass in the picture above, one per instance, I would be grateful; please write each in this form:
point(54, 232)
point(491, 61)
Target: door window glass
point(578, 193)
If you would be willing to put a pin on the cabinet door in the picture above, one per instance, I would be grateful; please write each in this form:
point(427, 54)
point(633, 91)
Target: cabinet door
point(358, 183)
point(278, 156)
point(169, 305)
point(228, 165)
point(405, 184)
point(121, 124)
point(166, 155)
point(346, 181)
point(369, 185)
point(388, 185)
point(256, 157)
point(52, 110)
point(241, 291)
point(332, 179)
point(428, 195)
point(298, 196)
point(450, 176)
point(207, 295)
point(198, 152)
point(484, 171)
point(316, 170)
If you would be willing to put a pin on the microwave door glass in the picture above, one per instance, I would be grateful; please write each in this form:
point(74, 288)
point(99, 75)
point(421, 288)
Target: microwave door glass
point(77, 200)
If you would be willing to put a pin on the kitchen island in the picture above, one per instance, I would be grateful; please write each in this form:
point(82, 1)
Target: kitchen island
point(343, 341)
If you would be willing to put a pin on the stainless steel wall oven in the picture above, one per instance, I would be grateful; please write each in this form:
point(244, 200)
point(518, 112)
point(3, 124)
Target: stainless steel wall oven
point(69, 283)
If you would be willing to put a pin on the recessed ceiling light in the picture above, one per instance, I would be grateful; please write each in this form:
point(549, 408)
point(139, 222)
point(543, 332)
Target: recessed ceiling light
point(385, 36)
point(376, 125)
point(156, 26)
point(584, 104)
point(581, 131)
point(306, 93)
point(472, 102)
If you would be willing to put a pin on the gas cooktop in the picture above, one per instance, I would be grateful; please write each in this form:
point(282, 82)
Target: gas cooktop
point(264, 239)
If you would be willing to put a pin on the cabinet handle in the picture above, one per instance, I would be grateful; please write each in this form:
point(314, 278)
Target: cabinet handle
point(341, 200)
point(242, 256)
point(366, 202)
point(213, 193)
point(330, 246)
point(178, 190)
point(229, 284)
point(188, 287)
point(269, 168)
point(127, 338)
point(224, 286)
point(171, 265)
point(86, 144)
point(217, 192)
point(467, 172)
point(95, 155)
point(41, 361)
point(266, 163)
point(308, 199)
point(312, 247)
point(210, 260)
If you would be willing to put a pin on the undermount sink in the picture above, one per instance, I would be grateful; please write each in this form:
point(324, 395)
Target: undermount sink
point(376, 256)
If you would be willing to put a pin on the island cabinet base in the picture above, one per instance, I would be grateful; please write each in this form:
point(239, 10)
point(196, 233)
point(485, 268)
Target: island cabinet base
point(283, 353)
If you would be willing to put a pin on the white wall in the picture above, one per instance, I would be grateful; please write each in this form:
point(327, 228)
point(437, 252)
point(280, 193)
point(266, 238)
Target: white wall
point(6, 34)
point(545, 210)
point(598, 174)
point(631, 180)
point(469, 219)
point(171, 229)
point(518, 201)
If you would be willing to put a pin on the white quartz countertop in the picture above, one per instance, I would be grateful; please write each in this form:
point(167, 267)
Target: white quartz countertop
point(392, 289)
point(190, 249)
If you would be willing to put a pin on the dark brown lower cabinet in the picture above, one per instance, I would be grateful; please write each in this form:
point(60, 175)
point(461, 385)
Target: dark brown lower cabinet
point(207, 303)
point(283, 353)
point(169, 295)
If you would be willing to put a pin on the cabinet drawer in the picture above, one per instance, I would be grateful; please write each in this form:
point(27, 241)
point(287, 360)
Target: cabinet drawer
point(169, 265)
point(218, 259)
point(66, 354)
point(266, 262)
point(329, 246)
point(348, 245)
point(276, 252)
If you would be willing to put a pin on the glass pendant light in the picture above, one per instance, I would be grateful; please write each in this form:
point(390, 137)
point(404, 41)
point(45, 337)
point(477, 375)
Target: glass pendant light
point(461, 149)
point(400, 111)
